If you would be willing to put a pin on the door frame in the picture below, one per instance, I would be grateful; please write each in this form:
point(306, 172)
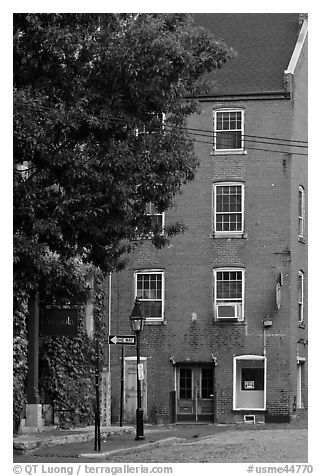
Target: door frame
point(143, 360)
point(196, 380)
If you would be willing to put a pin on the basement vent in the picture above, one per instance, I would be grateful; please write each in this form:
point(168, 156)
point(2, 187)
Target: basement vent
point(249, 419)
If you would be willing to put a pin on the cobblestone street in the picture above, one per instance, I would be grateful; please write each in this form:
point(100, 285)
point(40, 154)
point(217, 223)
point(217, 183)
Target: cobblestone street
point(268, 446)
point(191, 444)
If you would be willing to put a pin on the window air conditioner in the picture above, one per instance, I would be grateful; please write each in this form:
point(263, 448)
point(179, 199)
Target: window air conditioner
point(228, 311)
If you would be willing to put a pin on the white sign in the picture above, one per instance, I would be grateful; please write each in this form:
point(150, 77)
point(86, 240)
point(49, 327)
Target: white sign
point(140, 369)
point(125, 340)
point(278, 295)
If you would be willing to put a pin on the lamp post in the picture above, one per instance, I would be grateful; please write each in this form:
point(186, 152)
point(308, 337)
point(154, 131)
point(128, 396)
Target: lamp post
point(137, 323)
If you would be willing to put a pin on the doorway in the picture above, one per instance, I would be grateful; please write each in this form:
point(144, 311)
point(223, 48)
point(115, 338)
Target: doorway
point(195, 393)
point(300, 380)
point(130, 388)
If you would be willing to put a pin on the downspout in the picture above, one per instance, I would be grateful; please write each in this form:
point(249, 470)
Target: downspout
point(109, 317)
point(264, 341)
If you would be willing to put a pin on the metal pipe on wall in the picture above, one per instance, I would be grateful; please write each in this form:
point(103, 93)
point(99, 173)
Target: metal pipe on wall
point(109, 318)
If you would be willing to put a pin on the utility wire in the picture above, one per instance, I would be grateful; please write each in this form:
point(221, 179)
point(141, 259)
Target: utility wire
point(244, 136)
point(198, 132)
point(255, 148)
point(210, 132)
point(248, 135)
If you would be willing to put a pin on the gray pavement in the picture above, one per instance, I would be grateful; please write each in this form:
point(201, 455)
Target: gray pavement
point(52, 437)
point(116, 442)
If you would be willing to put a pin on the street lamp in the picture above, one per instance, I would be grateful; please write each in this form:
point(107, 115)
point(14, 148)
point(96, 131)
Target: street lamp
point(137, 322)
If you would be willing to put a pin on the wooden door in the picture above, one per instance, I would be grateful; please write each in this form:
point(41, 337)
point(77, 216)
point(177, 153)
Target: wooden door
point(195, 396)
point(130, 388)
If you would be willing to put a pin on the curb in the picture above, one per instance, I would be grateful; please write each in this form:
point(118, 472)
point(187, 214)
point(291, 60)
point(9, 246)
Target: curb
point(142, 447)
point(26, 446)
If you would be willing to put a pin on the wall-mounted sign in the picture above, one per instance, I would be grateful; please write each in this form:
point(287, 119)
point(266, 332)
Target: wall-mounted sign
point(140, 369)
point(59, 322)
point(278, 295)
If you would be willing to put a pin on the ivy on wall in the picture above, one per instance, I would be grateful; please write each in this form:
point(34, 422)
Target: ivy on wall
point(19, 354)
point(66, 364)
point(67, 369)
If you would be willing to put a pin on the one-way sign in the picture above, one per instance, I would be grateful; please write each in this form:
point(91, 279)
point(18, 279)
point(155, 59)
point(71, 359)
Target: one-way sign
point(124, 340)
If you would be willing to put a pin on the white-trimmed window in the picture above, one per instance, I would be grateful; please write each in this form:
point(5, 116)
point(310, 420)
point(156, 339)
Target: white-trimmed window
point(301, 212)
point(228, 202)
point(158, 218)
point(300, 296)
point(229, 294)
point(228, 130)
point(149, 289)
point(249, 382)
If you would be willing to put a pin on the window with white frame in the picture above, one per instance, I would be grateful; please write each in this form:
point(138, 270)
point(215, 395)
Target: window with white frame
point(228, 130)
point(249, 382)
point(301, 212)
point(158, 218)
point(300, 296)
point(229, 294)
point(228, 201)
point(149, 289)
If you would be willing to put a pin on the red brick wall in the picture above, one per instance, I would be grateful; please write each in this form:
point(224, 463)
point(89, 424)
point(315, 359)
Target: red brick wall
point(188, 262)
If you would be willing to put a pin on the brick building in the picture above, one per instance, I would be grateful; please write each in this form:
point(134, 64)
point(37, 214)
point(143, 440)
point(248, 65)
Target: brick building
point(226, 332)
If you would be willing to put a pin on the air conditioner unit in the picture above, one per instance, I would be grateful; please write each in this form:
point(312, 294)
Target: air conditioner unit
point(229, 311)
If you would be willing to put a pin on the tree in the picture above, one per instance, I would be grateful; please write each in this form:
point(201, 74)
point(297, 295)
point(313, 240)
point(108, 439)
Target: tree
point(90, 152)
point(90, 148)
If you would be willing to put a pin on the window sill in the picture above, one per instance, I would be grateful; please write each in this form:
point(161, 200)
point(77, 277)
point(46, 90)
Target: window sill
point(225, 322)
point(156, 322)
point(301, 325)
point(246, 410)
point(229, 235)
point(229, 152)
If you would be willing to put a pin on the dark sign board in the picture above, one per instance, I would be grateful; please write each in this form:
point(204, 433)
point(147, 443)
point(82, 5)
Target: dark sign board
point(59, 322)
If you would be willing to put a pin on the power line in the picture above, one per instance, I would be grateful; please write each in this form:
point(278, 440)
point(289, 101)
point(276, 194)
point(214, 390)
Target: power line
point(209, 133)
point(198, 132)
point(244, 138)
point(255, 148)
point(248, 135)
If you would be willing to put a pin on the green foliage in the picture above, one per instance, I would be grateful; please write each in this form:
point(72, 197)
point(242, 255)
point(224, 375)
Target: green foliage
point(89, 92)
point(67, 370)
point(19, 355)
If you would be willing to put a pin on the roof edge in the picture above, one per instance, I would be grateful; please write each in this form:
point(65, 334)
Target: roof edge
point(298, 48)
point(283, 94)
